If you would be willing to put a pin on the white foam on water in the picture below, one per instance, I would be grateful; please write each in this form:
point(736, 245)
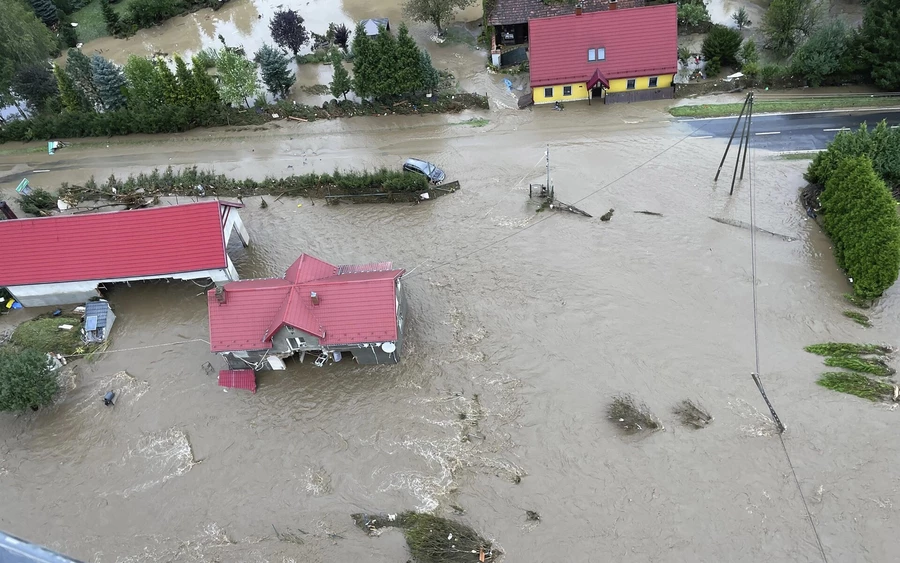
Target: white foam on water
point(165, 455)
point(127, 388)
point(759, 425)
point(318, 481)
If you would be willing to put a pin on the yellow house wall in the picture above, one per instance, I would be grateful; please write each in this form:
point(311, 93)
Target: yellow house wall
point(579, 92)
point(641, 83)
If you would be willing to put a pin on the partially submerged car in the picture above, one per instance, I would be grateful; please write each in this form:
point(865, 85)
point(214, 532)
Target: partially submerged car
point(427, 169)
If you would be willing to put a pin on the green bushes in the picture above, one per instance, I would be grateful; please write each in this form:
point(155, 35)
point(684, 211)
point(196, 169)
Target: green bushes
point(881, 145)
point(861, 218)
point(722, 43)
point(823, 54)
point(26, 380)
point(693, 15)
point(854, 357)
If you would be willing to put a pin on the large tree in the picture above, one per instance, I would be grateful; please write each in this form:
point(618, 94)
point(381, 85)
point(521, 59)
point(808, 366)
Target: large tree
point(78, 66)
point(365, 62)
point(26, 380)
point(109, 81)
point(45, 10)
point(861, 218)
point(879, 39)
point(111, 17)
point(24, 41)
point(437, 12)
point(786, 22)
point(238, 79)
point(340, 81)
point(71, 97)
point(288, 31)
point(823, 53)
point(36, 84)
point(206, 86)
point(387, 81)
point(187, 85)
point(430, 76)
point(145, 89)
point(170, 90)
point(275, 72)
point(407, 63)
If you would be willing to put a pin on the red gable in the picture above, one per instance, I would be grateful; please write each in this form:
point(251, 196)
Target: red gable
point(114, 245)
point(638, 42)
point(353, 308)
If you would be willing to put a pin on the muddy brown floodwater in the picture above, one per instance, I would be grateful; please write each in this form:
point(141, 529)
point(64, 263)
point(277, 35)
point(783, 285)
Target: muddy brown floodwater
point(542, 317)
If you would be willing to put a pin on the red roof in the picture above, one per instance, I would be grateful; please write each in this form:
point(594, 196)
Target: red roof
point(354, 308)
point(238, 379)
point(638, 42)
point(113, 245)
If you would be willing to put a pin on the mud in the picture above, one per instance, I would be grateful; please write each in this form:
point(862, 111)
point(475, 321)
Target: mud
point(545, 317)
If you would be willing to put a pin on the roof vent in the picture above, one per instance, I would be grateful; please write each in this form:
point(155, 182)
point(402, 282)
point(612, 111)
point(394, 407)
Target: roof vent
point(314, 297)
point(612, 4)
point(220, 294)
point(578, 9)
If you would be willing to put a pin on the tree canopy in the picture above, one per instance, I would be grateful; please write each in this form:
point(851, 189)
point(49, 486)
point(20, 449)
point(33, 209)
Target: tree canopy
point(340, 81)
point(861, 218)
point(881, 145)
point(437, 12)
point(237, 77)
point(24, 41)
point(786, 22)
point(879, 40)
point(275, 72)
point(722, 43)
point(109, 81)
point(288, 31)
point(387, 67)
point(45, 10)
point(26, 380)
point(37, 85)
point(823, 54)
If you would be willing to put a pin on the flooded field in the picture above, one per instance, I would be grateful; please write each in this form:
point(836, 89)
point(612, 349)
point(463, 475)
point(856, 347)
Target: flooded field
point(522, 327)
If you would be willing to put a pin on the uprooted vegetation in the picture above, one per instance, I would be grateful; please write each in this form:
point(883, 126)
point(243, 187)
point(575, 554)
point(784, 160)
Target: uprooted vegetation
point(432, 539)
point(847, 349)
point(692, 415)
point(863, 361)
point(858, 318)
point(872, 366)
point(630, 416)
point(857, 384)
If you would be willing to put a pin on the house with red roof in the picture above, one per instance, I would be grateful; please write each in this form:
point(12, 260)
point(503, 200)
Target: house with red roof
point(64, 259)
point(623, 55)
point(331, 312)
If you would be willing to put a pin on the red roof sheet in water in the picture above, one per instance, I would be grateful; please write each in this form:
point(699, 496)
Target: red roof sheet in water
point(114, 245)
point(238, 379)
point(638, 42)
point(353, 308)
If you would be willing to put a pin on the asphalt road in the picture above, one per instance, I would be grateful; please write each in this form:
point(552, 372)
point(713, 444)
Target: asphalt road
point(793, 132)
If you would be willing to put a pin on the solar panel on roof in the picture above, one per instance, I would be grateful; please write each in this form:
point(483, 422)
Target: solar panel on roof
point(90, 323)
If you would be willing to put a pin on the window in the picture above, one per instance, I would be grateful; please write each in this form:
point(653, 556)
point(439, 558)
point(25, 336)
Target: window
point(548, 92)
point(630, 84)
point(592, 54)
point(653, 81)
point(567, 90)
point(296, 343)
point(601, 54)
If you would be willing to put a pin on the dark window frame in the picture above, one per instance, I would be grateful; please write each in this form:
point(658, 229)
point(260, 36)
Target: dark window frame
point(631, 84)
point(653, 82)
point(548, 91)
point(569, 88)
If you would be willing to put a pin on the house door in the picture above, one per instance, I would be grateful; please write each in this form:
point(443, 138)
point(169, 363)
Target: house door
point(597, 92)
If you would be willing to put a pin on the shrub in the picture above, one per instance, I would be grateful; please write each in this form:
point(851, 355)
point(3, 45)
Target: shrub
point(26, 379)
point(38, 202)
point(861, 218)
point(856, 384)
point(630, 416)
point(768, 73)
point(749, 53)
point(822, 55)
point(846, 349)
point(713, 68)
point(722, 43)
point(146, 13)
point(693, 14)
point(882, 145)
point(751, 69)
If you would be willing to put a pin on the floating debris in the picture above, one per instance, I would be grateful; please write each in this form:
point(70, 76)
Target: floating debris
point(858, 384)
point(743, 225)
point(847, 349)
point(607, 216)
point(654, 213)
point(532, 516)
point(873, 366)
point(692, 415)
point(631, 417)
point(858, 318)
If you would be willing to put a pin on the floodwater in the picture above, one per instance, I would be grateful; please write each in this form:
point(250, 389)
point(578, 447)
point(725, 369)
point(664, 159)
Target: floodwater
point(526, 323)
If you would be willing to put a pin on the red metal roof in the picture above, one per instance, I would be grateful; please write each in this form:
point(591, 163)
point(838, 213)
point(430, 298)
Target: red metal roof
point(113, 245)
point(353, 308)
point(238, 379)
point(638, 42)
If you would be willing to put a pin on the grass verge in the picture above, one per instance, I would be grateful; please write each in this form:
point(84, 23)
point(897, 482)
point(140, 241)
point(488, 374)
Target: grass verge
point(44, 335)
point(772, 106)
point(856, 384)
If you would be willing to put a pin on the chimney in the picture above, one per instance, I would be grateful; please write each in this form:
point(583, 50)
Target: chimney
point(612, 4)
point(578, 9)
point(220, 294)
point(314, 297)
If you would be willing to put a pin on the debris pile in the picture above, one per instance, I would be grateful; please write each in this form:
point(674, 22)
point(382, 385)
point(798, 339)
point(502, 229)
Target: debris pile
point(631, 417)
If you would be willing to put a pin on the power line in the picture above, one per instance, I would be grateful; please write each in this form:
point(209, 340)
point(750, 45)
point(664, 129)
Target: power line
point(550, 216)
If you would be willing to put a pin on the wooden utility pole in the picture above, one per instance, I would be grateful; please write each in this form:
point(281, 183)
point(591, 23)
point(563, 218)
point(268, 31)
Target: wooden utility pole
point(744, 142)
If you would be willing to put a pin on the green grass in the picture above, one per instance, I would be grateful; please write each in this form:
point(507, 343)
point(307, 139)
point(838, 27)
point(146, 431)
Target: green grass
point(44, 335)
point(474, 122)
point(90, 20)
point(798, 156)
point(771, 106)
point(858, 318)
point(846, 349)
point(861, 365)
point(856, 384)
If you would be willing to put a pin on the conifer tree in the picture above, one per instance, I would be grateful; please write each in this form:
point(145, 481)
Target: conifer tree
point(275, 73)
point(340, 81)
point(170, 91)
point(145, 88)
point(206, 86)
point(111, 17)
point(364, 64)
point(110, 83)
point(79, 68)
point(71, 97)
point(387, 83)
point(431, 79)
point(46, 11)
point(407, 63)
point(187, 88)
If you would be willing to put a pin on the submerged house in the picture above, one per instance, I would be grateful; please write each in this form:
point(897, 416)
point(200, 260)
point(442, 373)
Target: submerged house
point(619, 55)
point(372, 25)
point(98, 321)
point(331, 312)
point(64, 259)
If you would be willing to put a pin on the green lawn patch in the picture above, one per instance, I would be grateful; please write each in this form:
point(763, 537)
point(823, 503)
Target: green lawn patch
point(474, 122)
point(856, 384)
point(772, 106)
point(798, 156)
point(44, 335)
point(90, 20)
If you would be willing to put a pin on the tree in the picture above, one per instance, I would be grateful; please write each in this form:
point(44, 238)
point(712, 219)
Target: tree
point(340, 81)
point(342, 37)
point(68, 36)
point(72, 97)
point(387, 79)
point(787, 21)
point(145, 13)
point(437, 12)
point(110, 83)
point(111, 17)
point(206, 86)
point(879, 39)
point(881, 145)
point(430, 76)
point(861, 218)
point(288, 31)
point(722, 43)
point(365, 71)
point(78, 66)
point(693, 14)
point(741, 19)
point(26, 379)
point(36, 84)
point(188, 95)
point(748, 53)
point(45, 10)
point(823, 53)
point(24, 41)
point(237, 77)
point(171, 93)
point(407, 63)
point(275, 73)
point(145, 88)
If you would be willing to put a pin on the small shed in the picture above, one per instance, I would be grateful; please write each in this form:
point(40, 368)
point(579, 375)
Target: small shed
point(98, 321)
point(372, 25)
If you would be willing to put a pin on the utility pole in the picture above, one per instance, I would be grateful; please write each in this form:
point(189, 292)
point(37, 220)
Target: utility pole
point(745, 138)
point(549, 185)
